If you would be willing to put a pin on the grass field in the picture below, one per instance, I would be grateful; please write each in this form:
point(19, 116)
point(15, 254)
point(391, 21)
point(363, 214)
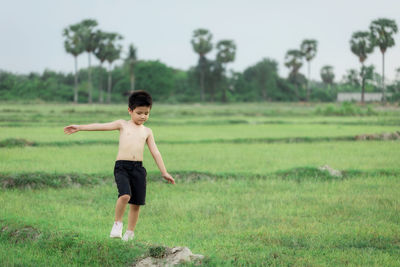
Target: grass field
point(248, 192)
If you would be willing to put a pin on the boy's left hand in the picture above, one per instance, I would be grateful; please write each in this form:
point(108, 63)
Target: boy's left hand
point(71, 129)
point(169, 178)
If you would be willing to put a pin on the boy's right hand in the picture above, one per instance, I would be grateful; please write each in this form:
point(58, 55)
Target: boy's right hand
point(71, 129)
point(169, 178)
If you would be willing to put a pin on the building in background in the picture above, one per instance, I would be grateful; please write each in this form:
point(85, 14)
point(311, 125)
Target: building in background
point(369, 97)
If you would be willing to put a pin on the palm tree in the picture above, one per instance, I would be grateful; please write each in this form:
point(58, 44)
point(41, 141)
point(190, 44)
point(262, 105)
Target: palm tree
point(382, 31)
point(327, 74)
point(293, 60)
point(73, 45)
point(101, 53)
point(89, 39)
point(113, 53)
point(361, 45)
point(131, 61)
point(226, 54)
point(309, 49)
point(201, 43)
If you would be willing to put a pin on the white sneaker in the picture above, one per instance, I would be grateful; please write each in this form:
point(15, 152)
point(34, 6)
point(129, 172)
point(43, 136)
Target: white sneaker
point(129, 235)
point(116, 231)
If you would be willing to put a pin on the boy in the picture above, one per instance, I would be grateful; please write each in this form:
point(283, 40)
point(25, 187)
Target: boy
point(130, 175)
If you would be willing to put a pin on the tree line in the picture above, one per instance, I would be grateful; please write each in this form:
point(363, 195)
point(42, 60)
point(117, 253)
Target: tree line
point(362, 43)
point(86, 37)
point(208, 80)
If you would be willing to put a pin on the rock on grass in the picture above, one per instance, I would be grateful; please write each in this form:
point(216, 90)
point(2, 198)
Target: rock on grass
point(164, 256)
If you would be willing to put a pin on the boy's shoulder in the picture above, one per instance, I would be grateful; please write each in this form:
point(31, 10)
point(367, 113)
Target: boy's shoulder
point(121, 121)
point(148, 129)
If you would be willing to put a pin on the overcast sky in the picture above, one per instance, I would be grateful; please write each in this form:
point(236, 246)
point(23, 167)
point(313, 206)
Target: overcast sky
point(31, 30)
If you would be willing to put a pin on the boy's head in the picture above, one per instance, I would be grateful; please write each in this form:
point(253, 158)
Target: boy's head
point(140, 98)
point(140, 103)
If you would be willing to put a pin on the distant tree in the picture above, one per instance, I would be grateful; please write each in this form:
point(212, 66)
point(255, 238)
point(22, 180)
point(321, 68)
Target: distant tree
point(101, 53)
point(309, 49)
point(352, 78)
point(73, 45)
point(263, 75)
point(293, 60)
point(396, 83)
point(156, 77)
point(113, 52)
point(367, 74)
point(327, 74)
point(397, 74)
point(215, 75)
point(201, 42)
point(226, 54)
point(382, 31)
point(377, 81)
point(361, 45)
point(131, 61)
point(89, 37)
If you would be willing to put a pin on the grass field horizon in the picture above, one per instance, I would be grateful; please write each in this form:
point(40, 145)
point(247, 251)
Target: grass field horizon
point(248, 192)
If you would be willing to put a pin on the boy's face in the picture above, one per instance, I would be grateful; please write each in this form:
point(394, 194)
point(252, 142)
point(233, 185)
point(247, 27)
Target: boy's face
point(139, 115)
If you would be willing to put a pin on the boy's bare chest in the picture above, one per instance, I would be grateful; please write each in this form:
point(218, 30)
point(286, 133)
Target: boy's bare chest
point(132, 135)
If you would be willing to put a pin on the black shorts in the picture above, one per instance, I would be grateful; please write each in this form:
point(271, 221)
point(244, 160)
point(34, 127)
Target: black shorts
point(130, 177)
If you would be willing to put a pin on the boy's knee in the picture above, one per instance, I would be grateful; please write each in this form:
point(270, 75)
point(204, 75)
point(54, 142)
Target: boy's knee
point(135, 207)
point(125, 198)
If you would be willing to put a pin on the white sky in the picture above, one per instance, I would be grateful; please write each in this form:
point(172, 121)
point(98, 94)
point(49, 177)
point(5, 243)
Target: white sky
point(31, 31)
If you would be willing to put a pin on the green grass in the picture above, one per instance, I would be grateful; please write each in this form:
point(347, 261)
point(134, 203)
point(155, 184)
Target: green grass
point(213, 158)
point(353, 220)
point(27, 246)
point(52, 113)
point(238, 200)
point(199, 132)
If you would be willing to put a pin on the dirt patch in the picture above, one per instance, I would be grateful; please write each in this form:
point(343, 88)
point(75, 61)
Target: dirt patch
point(19, 235)
point(194, 177)
point(38, 180)
point(16, 142)
point(382, 136)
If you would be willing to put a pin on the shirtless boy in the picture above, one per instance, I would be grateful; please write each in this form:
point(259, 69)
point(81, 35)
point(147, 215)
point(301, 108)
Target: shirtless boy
point(130, 175)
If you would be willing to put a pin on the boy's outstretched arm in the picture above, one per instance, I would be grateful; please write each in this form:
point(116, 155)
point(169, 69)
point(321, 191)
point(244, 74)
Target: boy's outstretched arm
point(157, 158)
point(115, 125)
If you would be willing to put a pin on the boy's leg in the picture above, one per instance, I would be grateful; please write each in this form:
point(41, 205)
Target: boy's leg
point(133, 216)
point(120, 207)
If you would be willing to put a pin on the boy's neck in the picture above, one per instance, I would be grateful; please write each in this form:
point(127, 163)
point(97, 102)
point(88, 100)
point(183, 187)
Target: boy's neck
point(137, 125)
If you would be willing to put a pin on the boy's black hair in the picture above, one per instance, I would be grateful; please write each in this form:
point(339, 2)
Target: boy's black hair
point(140, 98)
